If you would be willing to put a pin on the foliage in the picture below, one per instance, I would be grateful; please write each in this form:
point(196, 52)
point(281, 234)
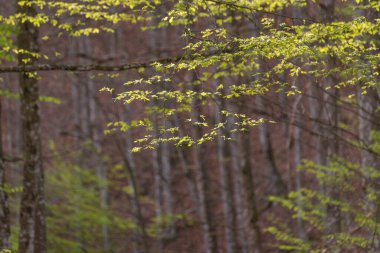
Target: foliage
point(216, 64)
point(220, 63)
point(223, 66)
point(357, 206)
point(6, 42)
point(14, 95)
point(75, 215)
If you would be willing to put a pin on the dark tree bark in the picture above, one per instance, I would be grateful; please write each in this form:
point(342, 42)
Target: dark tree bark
point(32, 238)
point(251, 214)
point(5, 230)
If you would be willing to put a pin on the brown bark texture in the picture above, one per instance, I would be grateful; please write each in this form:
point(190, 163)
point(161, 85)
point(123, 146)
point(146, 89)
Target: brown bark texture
point(5, 231)
point(32, 238)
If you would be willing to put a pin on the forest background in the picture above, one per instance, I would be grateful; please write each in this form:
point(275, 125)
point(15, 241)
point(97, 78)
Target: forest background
point(189, 126)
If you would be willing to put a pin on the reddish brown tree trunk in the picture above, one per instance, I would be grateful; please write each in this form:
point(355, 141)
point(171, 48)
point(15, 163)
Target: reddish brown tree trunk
point(203, 184)
point(251, 214)
point(225, 175)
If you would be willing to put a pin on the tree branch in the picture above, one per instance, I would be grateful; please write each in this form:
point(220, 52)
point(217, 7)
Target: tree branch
point(108, 68)
point(82, 68)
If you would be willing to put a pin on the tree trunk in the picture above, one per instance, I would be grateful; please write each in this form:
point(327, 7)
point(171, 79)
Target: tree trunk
point(266, 147)
point(167, 188)
point(331, 118)
point(158, 186)
point(163, 186)
point(140, 236)
point(297, 135)
point(236, 157)
point(5, 229)
point(203, 184)
point(224, 158)
point(101, 169)
point(77, 103)
point(251, 215)
point(32, 238)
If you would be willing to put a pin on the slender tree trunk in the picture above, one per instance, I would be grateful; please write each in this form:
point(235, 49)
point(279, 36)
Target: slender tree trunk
point(5, 229)
point(163, 187)
point(266, 147)
point(251, 215)
point(203, 184)
point(297, 135)
point(94, 132)
point(225, 174)
point(327, 143)
point(236, 157)
point(334, 217)
point(167, 188)
point(368, 117)
point(331, 117)
point(367, 105)
point(158, 185)
point(189, 177)
point(141, 236)
point(161, 156)
point(32, 238)
point(77, 98)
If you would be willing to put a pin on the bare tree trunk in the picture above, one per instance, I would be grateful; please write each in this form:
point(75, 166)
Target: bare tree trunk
point(158, 184)
point(77, 103)
point(167, 188)
point(101, 169)
point(163, 189)
point(225, 174)
point(191, 185)
point(324, 147)
point(334, 218)
point(251, 215)
point(266, 147)
point(331, 117)
point(316, 107)
point(32, 238)
point(161, 156)
point(142, 237)
point(297, 135)
point(5, 228)
point(367, 106)
point(327, 144)
point(367, 116)
point(236, 165)
point(203, 184)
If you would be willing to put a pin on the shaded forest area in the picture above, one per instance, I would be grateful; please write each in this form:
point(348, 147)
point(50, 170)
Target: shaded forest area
point(210, 126)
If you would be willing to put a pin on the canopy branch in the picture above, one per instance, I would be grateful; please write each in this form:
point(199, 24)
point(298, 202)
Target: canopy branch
point(83, 67)
point(107, 68)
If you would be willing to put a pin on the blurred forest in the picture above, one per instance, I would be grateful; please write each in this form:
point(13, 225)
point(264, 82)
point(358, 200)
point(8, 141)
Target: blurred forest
point(195, 126)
